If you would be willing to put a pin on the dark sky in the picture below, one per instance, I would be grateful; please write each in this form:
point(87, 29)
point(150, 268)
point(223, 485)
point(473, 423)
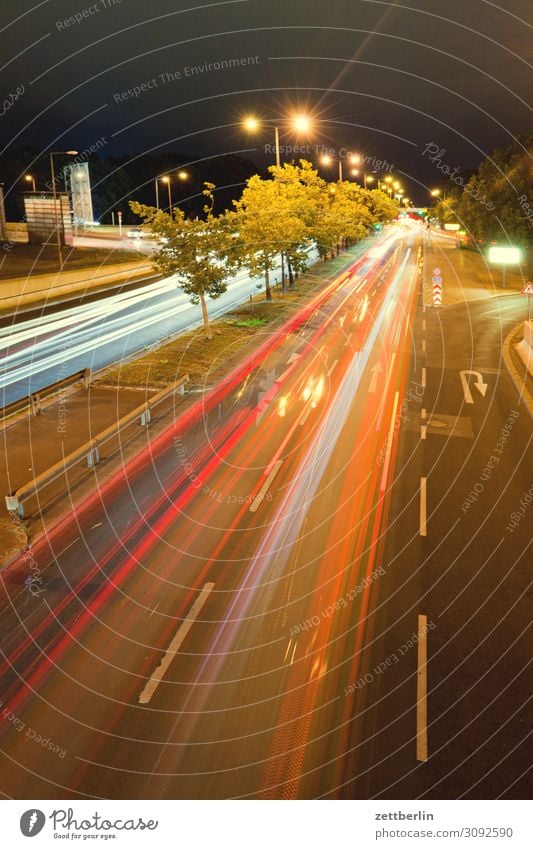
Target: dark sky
point(382, 78)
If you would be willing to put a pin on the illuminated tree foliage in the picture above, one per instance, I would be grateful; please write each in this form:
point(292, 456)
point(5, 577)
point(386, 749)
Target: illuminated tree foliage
point(202, 254)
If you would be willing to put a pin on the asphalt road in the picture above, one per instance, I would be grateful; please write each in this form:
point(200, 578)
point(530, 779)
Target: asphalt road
point(467, 569)
point(200, 631)
point(43, 348)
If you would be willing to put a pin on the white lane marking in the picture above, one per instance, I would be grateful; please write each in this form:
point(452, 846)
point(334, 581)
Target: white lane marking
point(306, 414)
point(294, 651)
point(288, 649)
point(69, 546)
point(424, 325)
point(423, 507)
point(423, 426)
point(423, 346)
point(424, 377)
point(390, 437)
point(263, 491)
point(181, 633)
point(332, 366)
point(421, 693)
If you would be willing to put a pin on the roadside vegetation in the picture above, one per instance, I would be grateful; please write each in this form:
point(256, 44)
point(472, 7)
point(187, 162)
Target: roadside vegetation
point(276, 220)
point(496, 203)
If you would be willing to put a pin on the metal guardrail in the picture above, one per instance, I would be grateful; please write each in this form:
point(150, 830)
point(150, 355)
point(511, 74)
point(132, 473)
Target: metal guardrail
point(34, 401)
point(90, 451)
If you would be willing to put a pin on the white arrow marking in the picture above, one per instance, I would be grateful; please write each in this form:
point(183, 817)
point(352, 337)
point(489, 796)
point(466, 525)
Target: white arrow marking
point(479, 384)
point(376, 371)
point(292, 359)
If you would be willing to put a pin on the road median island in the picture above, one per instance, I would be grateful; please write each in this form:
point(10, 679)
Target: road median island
point(466, 274)
point(36, 443)
point(521, 376)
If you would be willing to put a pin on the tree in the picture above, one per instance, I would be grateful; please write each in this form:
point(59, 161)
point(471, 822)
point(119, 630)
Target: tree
point(201, 253)
point(268, 225)
point(380, 205)
point(495, 201)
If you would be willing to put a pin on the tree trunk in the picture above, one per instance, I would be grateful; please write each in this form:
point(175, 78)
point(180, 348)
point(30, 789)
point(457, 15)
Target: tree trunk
point(291, 275)
point(268, 292)
point(205, 316)
point(283, 280)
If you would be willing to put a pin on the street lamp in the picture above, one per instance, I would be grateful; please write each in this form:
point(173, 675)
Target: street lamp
point(300, 123)
point(30, 179)
point(166, 180)
point(367, 179)
point(327, 160)
point(54, 193)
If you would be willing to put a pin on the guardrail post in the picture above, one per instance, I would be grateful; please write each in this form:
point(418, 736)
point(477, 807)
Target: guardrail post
point(93, 457)
point(35, 403)
point(12, 502)
point(181, 390)
point(86, 377)
point(146, 416)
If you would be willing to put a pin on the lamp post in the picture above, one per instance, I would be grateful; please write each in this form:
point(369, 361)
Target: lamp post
point(54, 193)
point(30, 179)
point(300, 123)
point(166, 180)
point(327, 160)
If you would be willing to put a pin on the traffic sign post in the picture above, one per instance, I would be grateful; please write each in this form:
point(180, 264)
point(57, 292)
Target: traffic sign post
point(437, 287)
point(528, 290)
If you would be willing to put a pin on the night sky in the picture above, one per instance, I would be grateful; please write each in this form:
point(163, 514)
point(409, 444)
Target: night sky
point(383, 79)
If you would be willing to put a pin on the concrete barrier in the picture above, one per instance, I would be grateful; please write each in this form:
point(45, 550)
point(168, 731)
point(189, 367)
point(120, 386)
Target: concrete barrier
point(16, 292)
point(525, 347)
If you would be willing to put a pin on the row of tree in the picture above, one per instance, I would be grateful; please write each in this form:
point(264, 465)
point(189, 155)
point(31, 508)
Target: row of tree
point(282, 216)
point(495, 204)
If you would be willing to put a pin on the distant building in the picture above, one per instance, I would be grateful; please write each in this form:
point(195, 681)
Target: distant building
point(43, 221)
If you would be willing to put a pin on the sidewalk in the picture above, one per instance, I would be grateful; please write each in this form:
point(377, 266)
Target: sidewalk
point(33, 444)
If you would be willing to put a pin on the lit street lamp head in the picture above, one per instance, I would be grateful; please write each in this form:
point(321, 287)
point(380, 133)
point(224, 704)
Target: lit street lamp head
point(301, 123)
point(251, 124)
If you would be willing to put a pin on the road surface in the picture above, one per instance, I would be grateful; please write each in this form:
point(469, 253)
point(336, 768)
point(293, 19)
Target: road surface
point(202, 630)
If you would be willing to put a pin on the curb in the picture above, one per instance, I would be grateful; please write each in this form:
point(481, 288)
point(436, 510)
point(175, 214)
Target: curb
point(519, 380)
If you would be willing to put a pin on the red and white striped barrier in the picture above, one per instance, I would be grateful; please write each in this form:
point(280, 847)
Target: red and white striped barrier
point(437, 287)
